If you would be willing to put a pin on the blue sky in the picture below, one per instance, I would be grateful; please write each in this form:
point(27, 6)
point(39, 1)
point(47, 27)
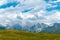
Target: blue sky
point(32, 11)
point(14, 4)
point(56, 4)
point(9, 4)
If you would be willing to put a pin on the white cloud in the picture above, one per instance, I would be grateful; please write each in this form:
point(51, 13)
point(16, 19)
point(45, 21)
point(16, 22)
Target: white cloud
point(3, 2)
point(37, 15)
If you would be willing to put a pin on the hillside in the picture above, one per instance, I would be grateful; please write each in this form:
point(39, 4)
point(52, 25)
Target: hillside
point(20, 35)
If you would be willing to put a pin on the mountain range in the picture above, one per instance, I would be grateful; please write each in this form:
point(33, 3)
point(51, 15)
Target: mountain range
point(35, 28)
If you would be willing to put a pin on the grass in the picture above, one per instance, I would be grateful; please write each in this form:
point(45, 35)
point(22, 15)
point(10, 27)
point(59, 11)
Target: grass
point(21, 35)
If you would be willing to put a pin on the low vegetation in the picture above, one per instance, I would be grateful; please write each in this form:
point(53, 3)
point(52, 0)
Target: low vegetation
point(21, 35)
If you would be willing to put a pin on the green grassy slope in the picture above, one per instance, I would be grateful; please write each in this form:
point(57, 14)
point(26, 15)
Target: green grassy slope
point(20, 35)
